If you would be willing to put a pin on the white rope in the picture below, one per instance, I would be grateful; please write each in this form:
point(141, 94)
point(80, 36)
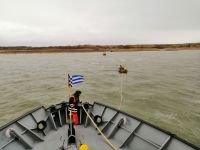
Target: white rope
point(104, 137)
point(121, 96)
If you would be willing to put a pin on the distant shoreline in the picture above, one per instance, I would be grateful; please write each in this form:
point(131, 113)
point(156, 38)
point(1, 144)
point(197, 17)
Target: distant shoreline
point(99, 48)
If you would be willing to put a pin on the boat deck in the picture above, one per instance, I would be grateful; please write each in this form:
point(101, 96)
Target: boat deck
point(88, 136)
point(124, 131)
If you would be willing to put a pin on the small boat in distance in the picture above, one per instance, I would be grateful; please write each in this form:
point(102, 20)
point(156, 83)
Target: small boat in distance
point(104, 54)
point(122, 69)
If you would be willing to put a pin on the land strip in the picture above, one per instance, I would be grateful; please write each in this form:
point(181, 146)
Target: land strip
point(100, 48)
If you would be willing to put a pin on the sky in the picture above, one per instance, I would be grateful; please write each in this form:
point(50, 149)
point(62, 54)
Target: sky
point(103, 22)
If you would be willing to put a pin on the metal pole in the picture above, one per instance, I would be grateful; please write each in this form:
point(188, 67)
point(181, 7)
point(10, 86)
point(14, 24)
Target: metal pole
point(70, 115)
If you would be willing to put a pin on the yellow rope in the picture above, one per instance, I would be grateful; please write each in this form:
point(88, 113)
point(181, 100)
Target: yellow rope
point(105, 138)
point(121, 96)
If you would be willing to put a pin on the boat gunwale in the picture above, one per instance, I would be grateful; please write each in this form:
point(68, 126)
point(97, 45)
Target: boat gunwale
point(20, 117)
point(152, 125)
point(136, 118)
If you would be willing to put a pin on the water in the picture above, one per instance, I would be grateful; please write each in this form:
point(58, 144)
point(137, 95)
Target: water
point(161, 87)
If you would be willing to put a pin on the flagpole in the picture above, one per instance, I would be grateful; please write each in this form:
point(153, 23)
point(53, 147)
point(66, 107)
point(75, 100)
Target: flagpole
point(69, 86)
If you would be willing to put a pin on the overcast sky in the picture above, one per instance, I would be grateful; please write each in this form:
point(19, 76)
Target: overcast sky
point(71, 22)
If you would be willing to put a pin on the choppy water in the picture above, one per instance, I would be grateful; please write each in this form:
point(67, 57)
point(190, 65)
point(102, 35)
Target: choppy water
point(161, 87)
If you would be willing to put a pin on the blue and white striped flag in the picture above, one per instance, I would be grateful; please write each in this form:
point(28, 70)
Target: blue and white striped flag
point(75, 79)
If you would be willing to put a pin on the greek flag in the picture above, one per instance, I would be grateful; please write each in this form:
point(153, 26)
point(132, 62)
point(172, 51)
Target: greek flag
point(75, 79)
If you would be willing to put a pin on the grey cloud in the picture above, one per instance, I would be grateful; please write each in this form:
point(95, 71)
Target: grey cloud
point(63, 22)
